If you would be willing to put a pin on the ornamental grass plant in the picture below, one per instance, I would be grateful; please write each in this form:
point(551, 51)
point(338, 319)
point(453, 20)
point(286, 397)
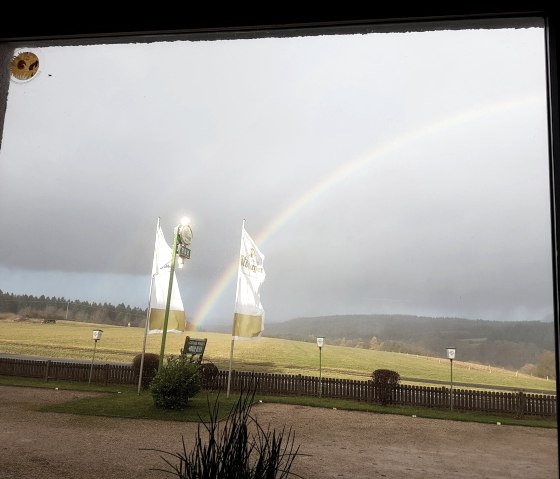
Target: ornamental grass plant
point(236, 448)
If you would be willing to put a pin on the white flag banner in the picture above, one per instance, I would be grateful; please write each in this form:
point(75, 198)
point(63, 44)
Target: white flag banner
point(160, 286)
point(248, 320)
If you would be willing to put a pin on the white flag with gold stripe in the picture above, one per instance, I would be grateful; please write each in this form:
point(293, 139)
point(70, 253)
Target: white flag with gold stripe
point(160, 286)
point(248, 319)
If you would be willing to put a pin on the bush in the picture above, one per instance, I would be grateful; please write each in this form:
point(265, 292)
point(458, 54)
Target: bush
point(230, 451)
point(175, 383)
point(209, 373)
point(149, 369)
point(384, 381)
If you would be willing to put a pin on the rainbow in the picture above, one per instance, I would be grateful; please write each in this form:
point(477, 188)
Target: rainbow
point(350, 168)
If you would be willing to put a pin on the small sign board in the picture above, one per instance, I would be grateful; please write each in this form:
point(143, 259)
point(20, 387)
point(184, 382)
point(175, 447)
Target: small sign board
point(450, 353)
point(320, 341)
point(97, 334)
point(183, 251)
point(194, 348)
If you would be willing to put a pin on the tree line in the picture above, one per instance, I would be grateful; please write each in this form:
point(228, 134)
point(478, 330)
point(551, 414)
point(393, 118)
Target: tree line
point(60, 308)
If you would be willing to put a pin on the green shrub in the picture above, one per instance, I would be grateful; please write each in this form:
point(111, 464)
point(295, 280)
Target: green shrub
point(175, 383)
point(384, 381)
point(209, 373)
point(149, 368)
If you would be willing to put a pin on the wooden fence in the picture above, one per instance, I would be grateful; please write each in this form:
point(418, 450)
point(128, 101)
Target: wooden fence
point(516, 403)
point(68, 371)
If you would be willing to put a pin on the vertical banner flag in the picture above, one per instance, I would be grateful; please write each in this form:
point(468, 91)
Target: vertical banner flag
point(248, 320)
point(160, 286)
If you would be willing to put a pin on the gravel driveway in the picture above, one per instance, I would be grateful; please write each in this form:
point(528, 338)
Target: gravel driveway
point(355, 445)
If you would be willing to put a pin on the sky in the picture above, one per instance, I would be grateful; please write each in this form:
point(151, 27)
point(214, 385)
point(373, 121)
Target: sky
point(399, 173)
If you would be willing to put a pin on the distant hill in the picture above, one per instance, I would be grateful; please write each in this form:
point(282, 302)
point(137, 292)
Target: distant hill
point(510, 344)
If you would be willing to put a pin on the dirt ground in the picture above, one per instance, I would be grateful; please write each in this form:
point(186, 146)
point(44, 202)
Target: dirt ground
point(335, 443)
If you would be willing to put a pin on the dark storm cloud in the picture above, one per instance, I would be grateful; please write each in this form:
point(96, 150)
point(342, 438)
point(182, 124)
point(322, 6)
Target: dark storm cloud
point(447, 213)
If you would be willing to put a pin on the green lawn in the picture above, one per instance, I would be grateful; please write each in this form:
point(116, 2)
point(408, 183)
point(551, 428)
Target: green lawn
point(125, 402)
point(73, 340)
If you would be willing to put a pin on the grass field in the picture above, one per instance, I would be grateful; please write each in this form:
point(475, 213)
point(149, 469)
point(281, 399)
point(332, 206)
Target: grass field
point(125, 402)
point(72, 340)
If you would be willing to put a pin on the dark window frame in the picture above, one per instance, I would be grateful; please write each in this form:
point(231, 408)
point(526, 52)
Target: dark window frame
point(99, 23)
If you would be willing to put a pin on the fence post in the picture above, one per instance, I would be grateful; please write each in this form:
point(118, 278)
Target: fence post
point(106, 373)
point(48, 366)
point(520, 405)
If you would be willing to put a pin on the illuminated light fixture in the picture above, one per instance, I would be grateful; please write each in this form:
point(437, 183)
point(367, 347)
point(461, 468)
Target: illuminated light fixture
point(186, 234)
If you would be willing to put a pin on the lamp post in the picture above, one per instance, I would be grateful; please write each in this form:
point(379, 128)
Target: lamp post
point(320, 342)
point(96, 337)
point(451, 357)
point(182, 237)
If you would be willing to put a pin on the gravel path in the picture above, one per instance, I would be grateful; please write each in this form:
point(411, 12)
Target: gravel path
point(339, 444)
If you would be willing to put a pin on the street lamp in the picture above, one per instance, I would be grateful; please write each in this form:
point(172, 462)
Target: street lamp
point(182, 238)
point(96, 337)
point(320, 342)
point(451, 357)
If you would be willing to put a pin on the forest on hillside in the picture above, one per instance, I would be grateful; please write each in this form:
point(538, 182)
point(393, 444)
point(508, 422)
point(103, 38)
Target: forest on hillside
point(59, 308)
point(527, 346)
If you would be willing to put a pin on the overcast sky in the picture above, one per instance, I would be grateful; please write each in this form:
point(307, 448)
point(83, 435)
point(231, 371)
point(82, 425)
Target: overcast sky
point(378, 173)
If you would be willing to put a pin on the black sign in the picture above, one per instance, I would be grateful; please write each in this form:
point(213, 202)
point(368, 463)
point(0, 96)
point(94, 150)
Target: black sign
point(184, 252)
point(194, 347)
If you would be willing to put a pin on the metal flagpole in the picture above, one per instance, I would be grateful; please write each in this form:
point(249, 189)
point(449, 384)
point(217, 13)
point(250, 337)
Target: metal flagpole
point(236, 295)
point(148, 313)
point(230, 362)
point(145, 336)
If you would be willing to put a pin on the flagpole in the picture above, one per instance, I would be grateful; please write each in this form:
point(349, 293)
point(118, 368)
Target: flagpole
point(232, 340)
point(148, 313)
point(230, 363)
point(145, 336)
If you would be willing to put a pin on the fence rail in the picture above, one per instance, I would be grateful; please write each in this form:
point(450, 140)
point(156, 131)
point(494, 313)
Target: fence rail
point(517, 403)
